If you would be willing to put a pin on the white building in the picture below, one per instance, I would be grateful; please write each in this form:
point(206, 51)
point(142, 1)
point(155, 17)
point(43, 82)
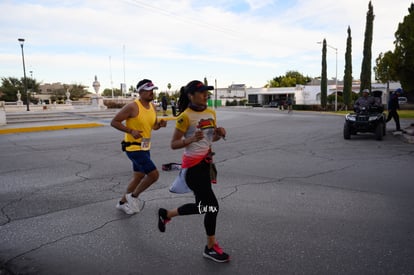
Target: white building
point(233, 92)
point(307, 94)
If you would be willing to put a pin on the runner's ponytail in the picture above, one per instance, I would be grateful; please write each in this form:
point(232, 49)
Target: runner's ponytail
point(183, 101)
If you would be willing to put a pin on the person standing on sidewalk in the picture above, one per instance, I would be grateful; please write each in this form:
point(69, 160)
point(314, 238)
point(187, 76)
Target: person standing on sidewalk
point(195, 131)
point(289, 104)
point(140, 119)
point(393, 106)
point(173, 107)
point(164, 105)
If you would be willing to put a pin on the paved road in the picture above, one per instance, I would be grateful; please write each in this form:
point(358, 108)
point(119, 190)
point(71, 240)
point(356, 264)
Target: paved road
point(295, 198)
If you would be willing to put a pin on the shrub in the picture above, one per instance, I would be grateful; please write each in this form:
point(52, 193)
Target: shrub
point(114, 105)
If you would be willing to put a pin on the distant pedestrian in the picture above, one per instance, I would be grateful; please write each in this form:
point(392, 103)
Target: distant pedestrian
point(289, 104)
point(393, 106)
point(195, 131)
point(173, 107)
point(140, 118)
point(164, 105)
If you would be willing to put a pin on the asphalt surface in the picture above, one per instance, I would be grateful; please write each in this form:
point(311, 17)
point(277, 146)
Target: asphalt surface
point(295, 198)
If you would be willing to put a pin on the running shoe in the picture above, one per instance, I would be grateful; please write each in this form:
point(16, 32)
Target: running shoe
point(162, 219)
point(125, 208)
point(216, 254)
point(133, 203)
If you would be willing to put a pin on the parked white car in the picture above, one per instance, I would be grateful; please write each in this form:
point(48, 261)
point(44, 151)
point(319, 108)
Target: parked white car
point(402, 100)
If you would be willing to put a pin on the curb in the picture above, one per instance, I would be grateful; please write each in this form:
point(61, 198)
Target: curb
point(408, 139)
point(48, 128)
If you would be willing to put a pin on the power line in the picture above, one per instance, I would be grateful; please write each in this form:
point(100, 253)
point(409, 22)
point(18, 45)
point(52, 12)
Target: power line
point(231, 33)
point(184, 19)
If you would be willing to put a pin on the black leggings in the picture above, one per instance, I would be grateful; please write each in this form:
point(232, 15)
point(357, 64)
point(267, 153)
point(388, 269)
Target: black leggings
point(198, 179)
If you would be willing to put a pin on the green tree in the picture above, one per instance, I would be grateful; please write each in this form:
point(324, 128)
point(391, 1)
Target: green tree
point(385, 68)
point(367, 54)
point(288, 82)
point(32, 85)
point(59, 95)
point(331, 99)
point(77, 91)
point(108, 92)
point(275, 82)
point(404, 51)
point(10, 86)
point(205, 83)
point(324, 78)
point(161, 94)
point(290, 79)
point(298, 77)
point(346, 93)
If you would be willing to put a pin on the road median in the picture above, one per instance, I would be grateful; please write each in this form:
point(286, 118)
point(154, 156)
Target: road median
point(48, 128)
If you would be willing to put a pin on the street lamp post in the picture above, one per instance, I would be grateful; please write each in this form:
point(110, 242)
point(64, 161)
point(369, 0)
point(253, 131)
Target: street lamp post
point(21, 41)
point(336, 74)
point(215, 93)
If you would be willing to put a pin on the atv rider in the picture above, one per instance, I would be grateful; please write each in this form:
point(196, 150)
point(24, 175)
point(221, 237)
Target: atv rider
point(365, 102)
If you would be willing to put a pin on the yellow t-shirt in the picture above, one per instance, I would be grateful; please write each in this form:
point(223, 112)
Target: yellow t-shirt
point(144, 122)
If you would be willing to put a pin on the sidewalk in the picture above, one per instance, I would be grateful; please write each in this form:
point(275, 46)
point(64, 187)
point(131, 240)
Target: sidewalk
point(59, 120)
point(55, 120)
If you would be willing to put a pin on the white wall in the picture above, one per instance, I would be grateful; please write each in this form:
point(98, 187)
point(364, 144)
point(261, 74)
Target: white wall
point(2, 114)
point(310, 94)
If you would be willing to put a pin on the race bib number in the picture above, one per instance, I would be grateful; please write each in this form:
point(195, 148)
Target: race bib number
point(145, 143)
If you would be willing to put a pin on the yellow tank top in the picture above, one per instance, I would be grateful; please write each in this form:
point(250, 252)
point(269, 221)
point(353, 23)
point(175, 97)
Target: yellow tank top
point(144, 122)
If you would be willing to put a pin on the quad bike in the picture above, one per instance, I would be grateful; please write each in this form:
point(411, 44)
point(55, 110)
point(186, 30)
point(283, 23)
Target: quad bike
point(366, 120)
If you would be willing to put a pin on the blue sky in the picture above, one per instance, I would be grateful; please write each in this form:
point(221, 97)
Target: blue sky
point(230, 41)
